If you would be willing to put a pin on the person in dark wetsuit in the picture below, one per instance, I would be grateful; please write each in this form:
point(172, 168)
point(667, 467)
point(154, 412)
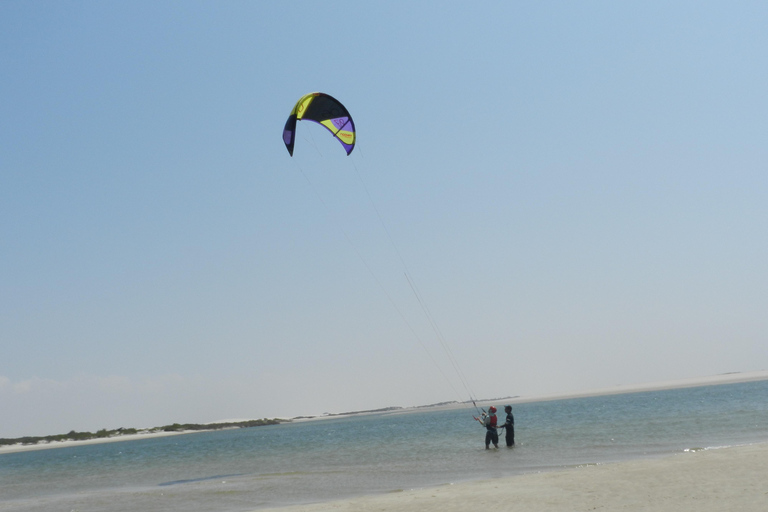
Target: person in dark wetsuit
point(489, 421)
point(509, 426)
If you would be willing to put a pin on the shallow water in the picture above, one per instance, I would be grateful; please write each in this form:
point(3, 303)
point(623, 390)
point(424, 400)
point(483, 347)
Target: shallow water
point(247, 469)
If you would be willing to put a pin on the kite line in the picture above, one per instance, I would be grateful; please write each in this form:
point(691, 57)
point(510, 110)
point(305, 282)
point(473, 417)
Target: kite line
point(331, 114)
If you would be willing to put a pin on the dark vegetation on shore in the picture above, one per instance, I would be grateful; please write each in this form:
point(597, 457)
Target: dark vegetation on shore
point(104, 433)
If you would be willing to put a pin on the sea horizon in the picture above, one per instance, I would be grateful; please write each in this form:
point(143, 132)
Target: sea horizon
point(724, 378)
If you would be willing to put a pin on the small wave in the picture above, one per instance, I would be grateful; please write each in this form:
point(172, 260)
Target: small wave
point(203, 479)
point(700, 449)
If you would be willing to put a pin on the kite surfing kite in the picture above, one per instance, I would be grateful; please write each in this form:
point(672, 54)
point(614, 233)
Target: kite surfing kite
point(325, 110)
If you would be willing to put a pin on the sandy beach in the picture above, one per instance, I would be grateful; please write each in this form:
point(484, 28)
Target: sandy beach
point(724, 479)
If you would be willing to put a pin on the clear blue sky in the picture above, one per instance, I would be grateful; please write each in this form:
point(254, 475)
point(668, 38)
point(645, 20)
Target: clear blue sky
point(578, 191)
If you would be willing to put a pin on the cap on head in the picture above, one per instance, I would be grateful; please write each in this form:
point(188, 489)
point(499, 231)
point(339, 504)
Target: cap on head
point(507, 408)
point(491, 409)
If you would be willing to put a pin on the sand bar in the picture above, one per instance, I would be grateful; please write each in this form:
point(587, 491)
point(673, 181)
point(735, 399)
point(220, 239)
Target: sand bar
point(64, 444)
point(712, 380)
point(724, 479)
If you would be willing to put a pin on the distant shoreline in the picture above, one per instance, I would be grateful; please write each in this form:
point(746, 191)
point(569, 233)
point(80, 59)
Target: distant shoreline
point(727, 378)
point(123, 434)
point(713, 380)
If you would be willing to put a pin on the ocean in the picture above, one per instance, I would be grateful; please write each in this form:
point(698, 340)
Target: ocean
point(316, 461)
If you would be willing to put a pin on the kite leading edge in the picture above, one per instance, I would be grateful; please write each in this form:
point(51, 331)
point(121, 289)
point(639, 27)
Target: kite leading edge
point(325, 110)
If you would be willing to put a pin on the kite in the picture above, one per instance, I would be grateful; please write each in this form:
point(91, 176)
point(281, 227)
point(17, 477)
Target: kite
point(325, 110)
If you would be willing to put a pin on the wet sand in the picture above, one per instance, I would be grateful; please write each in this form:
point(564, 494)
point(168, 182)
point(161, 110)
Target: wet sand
point(720, 480)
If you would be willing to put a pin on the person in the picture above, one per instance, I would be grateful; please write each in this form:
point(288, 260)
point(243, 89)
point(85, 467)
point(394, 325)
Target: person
point(489, 421)
point(509, 426)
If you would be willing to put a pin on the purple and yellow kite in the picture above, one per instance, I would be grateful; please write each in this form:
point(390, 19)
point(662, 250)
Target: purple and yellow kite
point(327, 111)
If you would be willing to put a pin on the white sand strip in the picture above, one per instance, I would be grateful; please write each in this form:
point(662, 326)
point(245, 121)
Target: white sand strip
point(719, 480)
point(64, 444)
point(712, 380)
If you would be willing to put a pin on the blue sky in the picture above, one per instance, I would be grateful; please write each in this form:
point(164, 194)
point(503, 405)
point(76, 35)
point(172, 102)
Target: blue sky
point(576, 189)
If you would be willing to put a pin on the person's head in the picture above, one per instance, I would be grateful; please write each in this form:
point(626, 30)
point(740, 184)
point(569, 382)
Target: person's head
point(507, 408)
point(492, 410)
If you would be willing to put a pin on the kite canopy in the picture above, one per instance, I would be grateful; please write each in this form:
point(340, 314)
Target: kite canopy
point(327, 111)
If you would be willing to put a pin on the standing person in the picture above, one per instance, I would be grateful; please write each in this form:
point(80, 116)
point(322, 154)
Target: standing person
point(509, 426)
point(489, 421)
